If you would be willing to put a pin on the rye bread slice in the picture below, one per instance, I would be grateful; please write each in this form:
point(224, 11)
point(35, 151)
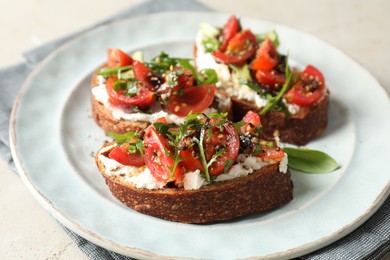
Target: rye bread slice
point(263, 190)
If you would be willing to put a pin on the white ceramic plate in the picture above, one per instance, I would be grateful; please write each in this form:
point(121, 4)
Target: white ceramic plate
point(54, 137)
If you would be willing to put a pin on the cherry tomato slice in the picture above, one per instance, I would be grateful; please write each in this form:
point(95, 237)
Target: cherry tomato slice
point(121, 155)
point(195, 99)
point(226, 139)
point(184, 80)
point(275, 154)
point(142, 100)
point(117, 58)
point(308, 89)
point(272, 78)
point(266, 56)
point(252, 121)
point(231, 28)
point(240, 48)
point(192, 160)
point(157, 154)
point(146, 76)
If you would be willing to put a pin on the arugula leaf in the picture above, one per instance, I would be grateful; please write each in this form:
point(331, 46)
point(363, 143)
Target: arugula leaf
point(310, 161)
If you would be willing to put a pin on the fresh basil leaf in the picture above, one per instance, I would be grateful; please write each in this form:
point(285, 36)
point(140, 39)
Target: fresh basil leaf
point(310, 161)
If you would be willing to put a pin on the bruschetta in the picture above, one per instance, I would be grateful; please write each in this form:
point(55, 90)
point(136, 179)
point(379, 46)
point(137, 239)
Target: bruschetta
point(293, 102)
point(206, 169)
point(128, 93)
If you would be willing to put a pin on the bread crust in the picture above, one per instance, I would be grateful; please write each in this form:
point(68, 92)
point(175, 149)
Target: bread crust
point(104, 118)
point(299, 128)
point(263, 190)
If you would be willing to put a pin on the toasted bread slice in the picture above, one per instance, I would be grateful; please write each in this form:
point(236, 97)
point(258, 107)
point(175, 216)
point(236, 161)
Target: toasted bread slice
point(263, 190)
point(299, 128)
point(104, 117)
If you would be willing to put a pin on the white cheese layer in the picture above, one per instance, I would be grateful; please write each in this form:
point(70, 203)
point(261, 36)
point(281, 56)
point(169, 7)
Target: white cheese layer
point(141, 177)
point(101, 95)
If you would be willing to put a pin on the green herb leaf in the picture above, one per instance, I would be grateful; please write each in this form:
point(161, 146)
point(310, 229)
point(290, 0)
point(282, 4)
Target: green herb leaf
point(206, 76)
point(140, 146)
point(122, 138)
point(310, 161)
point(162, 128)
point(105, 72)
point(211, 45)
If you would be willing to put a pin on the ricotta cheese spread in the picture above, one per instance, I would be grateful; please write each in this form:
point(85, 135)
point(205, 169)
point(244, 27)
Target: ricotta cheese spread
point(141, 177)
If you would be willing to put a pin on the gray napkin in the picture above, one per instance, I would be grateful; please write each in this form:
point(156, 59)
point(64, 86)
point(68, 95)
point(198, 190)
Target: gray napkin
point(370, 241)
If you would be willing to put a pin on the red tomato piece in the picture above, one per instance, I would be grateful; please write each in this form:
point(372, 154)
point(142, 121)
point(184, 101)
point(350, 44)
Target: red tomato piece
point(271, 78)
point(146, 76)
point(231, 28)
point(226, 139)
point(184, 80)
point(157, 155)
point(121, 155)
point(143, 99)
point(275, 154)
point(195, 99)
point(240, 48)
point(117, 58)
point(266, 56)
point(192, 160)
point(308, 89)
point(252, 121)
